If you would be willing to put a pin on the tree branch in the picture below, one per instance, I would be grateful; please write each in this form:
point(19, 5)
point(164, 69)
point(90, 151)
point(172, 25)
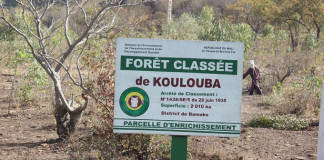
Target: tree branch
point(66, 69)
point(81, 40)
point(67, 24)
point(84, 12)
point(78, 64)
point(27, 25)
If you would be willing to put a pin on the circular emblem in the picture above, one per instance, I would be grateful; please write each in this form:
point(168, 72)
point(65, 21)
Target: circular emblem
point(134, 101)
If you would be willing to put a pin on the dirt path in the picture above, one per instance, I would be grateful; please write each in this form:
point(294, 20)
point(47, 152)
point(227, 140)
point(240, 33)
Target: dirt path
point(30, 134)
point(27, 133)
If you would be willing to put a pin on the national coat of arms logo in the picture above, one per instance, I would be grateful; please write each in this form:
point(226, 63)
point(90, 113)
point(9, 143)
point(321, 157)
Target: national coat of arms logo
point(134, 101)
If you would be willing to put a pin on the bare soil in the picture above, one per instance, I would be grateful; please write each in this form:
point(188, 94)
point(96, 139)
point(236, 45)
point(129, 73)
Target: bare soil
point(29, 133)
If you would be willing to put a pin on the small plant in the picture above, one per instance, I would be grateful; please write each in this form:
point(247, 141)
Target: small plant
point(276, 89)
point(309, 42)
point(287, 122)
point(25, 95)
point(267, 30)
point(261, 121)
point(35, 81)
point(268, 100)
point(161, 147)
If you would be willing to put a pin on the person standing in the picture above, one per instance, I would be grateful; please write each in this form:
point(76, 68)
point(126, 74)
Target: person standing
point(254, 72)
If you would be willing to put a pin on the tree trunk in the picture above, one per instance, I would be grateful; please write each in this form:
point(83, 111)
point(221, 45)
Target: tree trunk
point(66, 121)
point(61, 118)
point(294, 40)
point(74, 121)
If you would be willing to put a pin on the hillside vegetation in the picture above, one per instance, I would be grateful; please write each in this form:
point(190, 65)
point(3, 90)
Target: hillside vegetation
point(283, 37)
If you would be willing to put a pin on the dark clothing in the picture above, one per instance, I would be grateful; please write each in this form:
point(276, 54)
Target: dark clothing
point(255, 75)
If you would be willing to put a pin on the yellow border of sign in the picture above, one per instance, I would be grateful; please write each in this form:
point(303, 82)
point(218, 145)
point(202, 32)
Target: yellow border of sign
point(132, 94)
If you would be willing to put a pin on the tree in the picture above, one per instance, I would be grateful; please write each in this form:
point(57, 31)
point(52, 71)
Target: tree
point(253, 12)
point(313, 14)
point(53, 40)
point(297, 14)
point(290, 14)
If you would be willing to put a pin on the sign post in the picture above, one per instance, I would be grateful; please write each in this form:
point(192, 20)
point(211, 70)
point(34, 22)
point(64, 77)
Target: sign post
point(179, 147)
point(178, 88)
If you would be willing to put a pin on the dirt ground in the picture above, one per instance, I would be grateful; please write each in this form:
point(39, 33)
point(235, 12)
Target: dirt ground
point(29, 133)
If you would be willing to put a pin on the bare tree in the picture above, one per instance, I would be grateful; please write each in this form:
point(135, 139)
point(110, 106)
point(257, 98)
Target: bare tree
point(43, 20)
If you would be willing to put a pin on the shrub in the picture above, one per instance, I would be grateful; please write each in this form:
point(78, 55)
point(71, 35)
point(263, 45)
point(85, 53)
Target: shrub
point(108, 144)
point(309, 42)
point(184, 28)
point(160, 147)
point(268, 100)
point(267, 30)
point(222, 31)
point(25, 95)
point(300, 98)
point(34, 88)
point(287, 122)
point(261, 121)
point(206, 17)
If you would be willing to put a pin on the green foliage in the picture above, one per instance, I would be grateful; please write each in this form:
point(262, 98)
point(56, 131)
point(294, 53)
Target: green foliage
point(260, 121)
point(275, 37)
point(276, 89)
point(278, 40)
point(313, 83)
point(25, 95)
point(186, 27)
point(267, 30)
point(206, 17)
point(134, 143)
point(153, 32)
point(15, 52)
point(309, 42)
point(282, 35)
point(7, 33)
point(16, 42)
point(36, 75)
point(112, 145)
point(256, 13)
point(19, 58)
point(301, 98)
point(35, 82)
point(299, 14)
point(222, 31)
point(268, 100)
point(287, 122)
point(160, 147)
point(55, 40)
